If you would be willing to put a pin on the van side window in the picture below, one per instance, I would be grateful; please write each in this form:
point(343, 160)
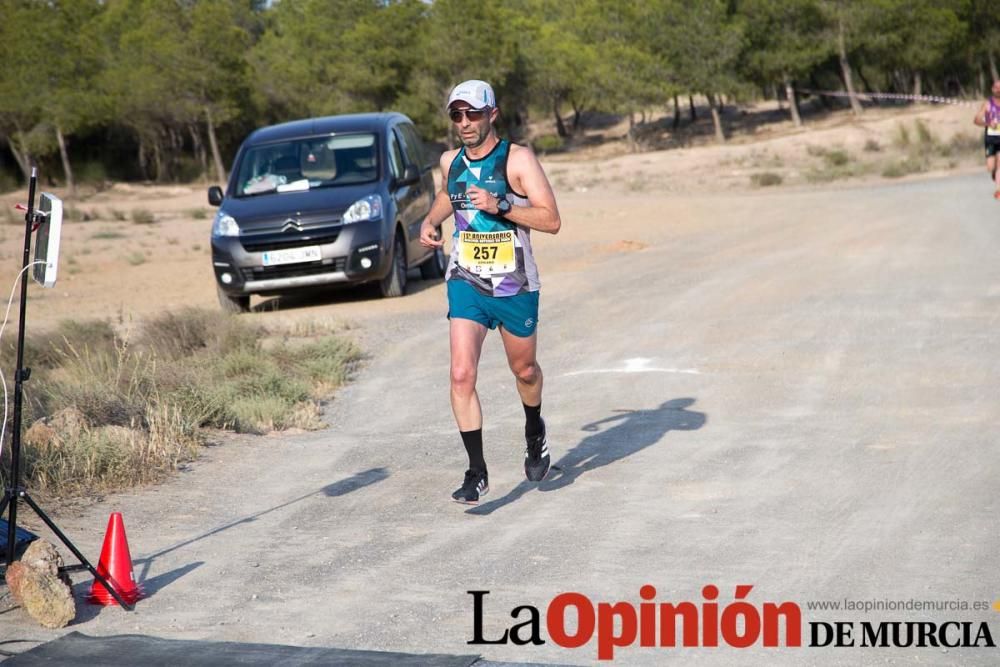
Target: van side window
point(395, 157)
point(416, 147)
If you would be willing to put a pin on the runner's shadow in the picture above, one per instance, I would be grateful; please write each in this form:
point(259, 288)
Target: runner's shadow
point(339, 488)
point(634, 431)
point(86, 611)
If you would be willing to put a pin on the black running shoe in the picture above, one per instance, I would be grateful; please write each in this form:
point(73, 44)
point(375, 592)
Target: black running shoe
point(476, 484)
point(536, 457)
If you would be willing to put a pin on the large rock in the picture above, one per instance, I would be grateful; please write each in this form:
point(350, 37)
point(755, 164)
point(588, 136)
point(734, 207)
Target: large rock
point(47, 599)
point(14, 579)
point(37, 585)
point(64, 426)
point(42, 556)
point(40, 435)
point(67, 422)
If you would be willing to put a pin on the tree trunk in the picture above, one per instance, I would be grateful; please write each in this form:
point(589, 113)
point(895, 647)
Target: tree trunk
point(22, 160)
point(142, 158)
point(898, 82)
point(577, 117)
point(220, 171)
point(67, 168)
point(868, 87)
point(630, 137)
point(157, 160)
point(793, 102)
point(981, 89)
point(694, 116)
point(917, 84)
point(845, 67)
point(560, 125)
point(814, 84)
point(26, 160)
point(716, 120)
point(677, 113)
point(777, 95)
point(199, 150)
point(993, 65)
point(174, 156)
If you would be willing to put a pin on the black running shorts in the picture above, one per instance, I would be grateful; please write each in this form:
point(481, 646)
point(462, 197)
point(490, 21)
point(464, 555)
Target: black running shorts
point(992, 144)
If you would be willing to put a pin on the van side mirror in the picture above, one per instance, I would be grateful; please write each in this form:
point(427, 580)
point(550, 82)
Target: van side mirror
point(215, 195)
point(410, 175)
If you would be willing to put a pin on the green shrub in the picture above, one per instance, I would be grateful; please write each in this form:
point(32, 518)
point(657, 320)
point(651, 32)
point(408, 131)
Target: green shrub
point(137, 403)
point(73, 214)
point(92, 172)
point(765, 179)
point(829, 173)
point(189, 169)
point(962, 143)
point(548, 143)
point(902, 136)
point(106, 234)
point(837, 157)
point(925, 139)
point(7, 182)
point(832, 157)
point(141, 216)
point(902, 168)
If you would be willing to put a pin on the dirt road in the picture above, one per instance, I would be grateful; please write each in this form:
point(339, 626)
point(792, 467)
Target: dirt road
point(793, 390)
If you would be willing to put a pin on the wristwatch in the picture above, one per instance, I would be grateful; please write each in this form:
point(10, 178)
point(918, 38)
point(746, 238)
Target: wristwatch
point(503, 206)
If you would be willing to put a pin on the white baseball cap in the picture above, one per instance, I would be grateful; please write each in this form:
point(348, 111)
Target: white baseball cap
point(477, 94)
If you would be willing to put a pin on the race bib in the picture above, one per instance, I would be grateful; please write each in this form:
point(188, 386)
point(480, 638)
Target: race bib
point(993, 131)
point(487, 253)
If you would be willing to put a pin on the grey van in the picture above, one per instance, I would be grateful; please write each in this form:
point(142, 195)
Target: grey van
point(321, 203)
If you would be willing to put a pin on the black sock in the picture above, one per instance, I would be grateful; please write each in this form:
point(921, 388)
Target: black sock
point(532, 419)
point(473, 441)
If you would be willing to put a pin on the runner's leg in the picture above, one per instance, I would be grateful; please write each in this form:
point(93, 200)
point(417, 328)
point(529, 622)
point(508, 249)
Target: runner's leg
point(521, 358)
point(467, 338)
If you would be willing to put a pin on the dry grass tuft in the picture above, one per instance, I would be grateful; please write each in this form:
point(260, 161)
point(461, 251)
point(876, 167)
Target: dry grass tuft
point(111, 410)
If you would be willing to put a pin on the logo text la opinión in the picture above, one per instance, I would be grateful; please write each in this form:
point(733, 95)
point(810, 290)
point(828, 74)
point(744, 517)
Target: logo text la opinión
point(652, 624)
point(572, 620)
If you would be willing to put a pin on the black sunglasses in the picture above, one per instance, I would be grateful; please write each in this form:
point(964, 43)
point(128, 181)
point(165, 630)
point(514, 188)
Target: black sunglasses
point(474, 115)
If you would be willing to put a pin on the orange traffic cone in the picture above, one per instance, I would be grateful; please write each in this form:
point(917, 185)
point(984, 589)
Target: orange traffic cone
point(115, 565)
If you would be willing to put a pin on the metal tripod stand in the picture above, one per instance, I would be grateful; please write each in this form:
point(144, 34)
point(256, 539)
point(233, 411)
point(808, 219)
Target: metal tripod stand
point(14, 493)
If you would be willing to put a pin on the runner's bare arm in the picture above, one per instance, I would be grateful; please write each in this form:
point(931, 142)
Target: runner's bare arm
point(527, 177)
point(980, 118)
point(440, 209)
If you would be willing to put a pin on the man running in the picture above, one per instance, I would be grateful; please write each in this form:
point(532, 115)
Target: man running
point(498, 193)
point(989, 118)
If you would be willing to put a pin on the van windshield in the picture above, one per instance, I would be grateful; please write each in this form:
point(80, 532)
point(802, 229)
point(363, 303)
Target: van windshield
point(307, 164)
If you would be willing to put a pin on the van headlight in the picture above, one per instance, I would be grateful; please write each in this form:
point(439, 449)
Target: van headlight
point(366, 208)
point(225, 225)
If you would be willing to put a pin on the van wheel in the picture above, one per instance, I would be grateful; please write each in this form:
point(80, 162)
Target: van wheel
point(435, 267)
point(394, 283)
point(233, 304)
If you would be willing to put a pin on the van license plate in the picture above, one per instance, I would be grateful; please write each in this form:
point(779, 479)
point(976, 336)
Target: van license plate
point(309, 253)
